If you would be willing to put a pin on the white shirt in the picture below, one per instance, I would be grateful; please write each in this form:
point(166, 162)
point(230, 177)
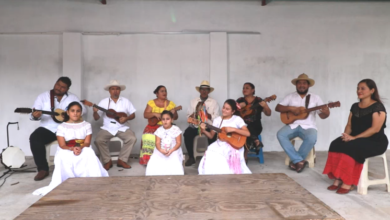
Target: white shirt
point(43, 103)
point(212, 108)
point(121, 105)
point(294, 99)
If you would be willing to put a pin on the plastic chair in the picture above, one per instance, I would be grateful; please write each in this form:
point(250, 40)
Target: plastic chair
point(364, 182)
point(200, 145)
point(252, 153)
point(311, 157)
point(114, 155)
point(48, 148)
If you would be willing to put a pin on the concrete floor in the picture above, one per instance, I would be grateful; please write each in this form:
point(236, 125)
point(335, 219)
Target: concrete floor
point(14, 199)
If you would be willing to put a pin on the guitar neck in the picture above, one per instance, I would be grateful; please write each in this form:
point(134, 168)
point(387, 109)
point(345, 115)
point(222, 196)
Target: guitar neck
point(48, 113)
point(100, 108)
point(315, 108)
point(218, 130)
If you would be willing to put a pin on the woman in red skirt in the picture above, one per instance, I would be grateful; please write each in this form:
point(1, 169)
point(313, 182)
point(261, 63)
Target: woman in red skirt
point(363, 137)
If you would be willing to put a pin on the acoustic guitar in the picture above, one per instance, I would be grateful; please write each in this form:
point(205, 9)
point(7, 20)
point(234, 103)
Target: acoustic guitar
point(59, 114)
point(111, 113)
point(288, 117)
point(248, 109)
point(154, 120)
point(237, 141)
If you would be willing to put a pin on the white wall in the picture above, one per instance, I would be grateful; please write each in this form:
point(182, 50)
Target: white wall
point(336, 43)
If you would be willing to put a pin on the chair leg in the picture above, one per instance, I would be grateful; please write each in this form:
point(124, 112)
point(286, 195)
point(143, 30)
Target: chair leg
point(363, 181)
point(386, 173)
point(261, 156)
point(311, 158)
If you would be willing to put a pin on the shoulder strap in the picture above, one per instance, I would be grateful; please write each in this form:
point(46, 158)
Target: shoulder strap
point(52, 103)
point(307, 101)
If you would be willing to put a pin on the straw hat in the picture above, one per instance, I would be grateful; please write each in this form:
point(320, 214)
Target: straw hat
point(303, 77)
point(114, 83)
point(204, 84)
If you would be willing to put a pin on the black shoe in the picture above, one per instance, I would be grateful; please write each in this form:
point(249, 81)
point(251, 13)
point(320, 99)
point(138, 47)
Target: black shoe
point(190, 162)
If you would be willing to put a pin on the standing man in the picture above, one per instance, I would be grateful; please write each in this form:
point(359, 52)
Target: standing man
point(306, 128)
point(212, 111)
point(57, 98)
point(112, 128)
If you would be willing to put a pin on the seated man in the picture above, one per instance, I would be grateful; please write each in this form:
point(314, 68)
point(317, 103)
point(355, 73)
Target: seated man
point(112, 128)
point(212, 111)
point(57, 98)
point(306, 128)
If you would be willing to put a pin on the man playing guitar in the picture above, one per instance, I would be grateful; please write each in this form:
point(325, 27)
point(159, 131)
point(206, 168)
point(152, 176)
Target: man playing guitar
point(112, 128)
point(212, 111)
point(57, 98)
point(306, 128)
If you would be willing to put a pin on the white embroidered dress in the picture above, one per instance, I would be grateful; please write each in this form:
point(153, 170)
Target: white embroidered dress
point(159, 164)
point(68, 165)
point(216, 158)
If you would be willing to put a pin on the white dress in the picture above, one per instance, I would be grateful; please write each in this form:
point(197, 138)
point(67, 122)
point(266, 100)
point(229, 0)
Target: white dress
point(68, 165)
point(159, 164)
point(216, 158)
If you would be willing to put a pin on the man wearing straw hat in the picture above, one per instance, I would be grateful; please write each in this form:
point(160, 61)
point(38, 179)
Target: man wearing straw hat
point(306, 128)
point(112, 128)
point(211, 107)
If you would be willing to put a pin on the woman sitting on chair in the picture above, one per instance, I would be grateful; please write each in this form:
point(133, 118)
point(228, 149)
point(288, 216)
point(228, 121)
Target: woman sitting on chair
point(74, 156)
point(220, 157)
point(253, 118)
point(363, 137)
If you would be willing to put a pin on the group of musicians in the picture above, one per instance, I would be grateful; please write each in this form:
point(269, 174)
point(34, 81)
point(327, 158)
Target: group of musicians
point(363, 136)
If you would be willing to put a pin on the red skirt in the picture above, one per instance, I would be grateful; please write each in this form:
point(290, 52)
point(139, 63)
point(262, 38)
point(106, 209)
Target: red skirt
point(344, 167)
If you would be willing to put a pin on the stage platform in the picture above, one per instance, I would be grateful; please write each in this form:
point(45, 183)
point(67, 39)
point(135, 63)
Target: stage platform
point(254, 196)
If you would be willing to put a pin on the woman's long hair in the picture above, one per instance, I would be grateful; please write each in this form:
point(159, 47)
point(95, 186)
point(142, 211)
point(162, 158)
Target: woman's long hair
point(233, 105)
point(372, 85)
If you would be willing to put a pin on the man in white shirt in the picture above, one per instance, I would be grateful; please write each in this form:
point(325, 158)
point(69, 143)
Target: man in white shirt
point(306, 128)
point(46, 133)
point(112, 128)
point(212, 111)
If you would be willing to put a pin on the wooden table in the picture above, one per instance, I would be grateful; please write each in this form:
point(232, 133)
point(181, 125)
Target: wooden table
point(254, 196)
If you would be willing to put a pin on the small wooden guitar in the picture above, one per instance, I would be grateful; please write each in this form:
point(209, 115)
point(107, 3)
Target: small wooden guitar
point(248, 109)
point(59, 114)
point(111, 113)
point(154, 120)
point(237, 141)
point(289, 117)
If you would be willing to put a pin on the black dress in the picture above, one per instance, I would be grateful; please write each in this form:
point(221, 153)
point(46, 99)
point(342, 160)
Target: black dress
point(362, 148)
point(253, 120)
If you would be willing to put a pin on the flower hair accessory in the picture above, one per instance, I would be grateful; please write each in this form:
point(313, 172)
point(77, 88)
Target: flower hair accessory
point(238, 106)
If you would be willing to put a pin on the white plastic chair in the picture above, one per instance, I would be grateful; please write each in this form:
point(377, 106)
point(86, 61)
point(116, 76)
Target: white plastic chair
point(311, 157)
point(114, 155)
point(48, 148)
point(200, 145)
point(364, 182)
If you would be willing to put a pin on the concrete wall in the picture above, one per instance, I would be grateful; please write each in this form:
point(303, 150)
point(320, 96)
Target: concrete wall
point(337, 44)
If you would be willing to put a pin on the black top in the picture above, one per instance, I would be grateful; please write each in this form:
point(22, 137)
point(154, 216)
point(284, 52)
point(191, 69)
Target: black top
point(254, 119)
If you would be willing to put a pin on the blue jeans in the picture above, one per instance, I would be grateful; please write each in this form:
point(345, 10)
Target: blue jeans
point(309, 137)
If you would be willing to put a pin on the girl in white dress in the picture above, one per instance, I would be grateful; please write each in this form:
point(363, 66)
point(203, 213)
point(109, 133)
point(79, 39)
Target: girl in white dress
point(74, 156)
point(220, 157)
point(167, 157)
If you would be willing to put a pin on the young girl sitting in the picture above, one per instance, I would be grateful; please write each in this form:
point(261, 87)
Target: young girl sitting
point(220, 157)
point(74, 156)
point(167, 157)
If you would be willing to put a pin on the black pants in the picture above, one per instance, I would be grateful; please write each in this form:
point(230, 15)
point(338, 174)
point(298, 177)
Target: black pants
point(38, 139)
point(189, 135)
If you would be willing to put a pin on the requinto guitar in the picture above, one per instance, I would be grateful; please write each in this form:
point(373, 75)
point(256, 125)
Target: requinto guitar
point(237, 141)
point(154, 120)
point(111, 113)
point(248, 109)
point(289, 117)
point(59, 114)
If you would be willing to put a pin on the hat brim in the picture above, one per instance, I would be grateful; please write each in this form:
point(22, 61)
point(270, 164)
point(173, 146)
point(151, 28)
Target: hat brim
point(107, 87)
point(311, 81)
point(211, 89)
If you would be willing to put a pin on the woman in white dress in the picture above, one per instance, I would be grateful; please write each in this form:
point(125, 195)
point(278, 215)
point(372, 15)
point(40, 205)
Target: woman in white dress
point(74, 156)
point(220, 157)
point(167, 157)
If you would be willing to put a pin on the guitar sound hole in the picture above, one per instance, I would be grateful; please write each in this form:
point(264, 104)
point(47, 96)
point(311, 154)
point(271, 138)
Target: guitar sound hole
point(229, 135)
